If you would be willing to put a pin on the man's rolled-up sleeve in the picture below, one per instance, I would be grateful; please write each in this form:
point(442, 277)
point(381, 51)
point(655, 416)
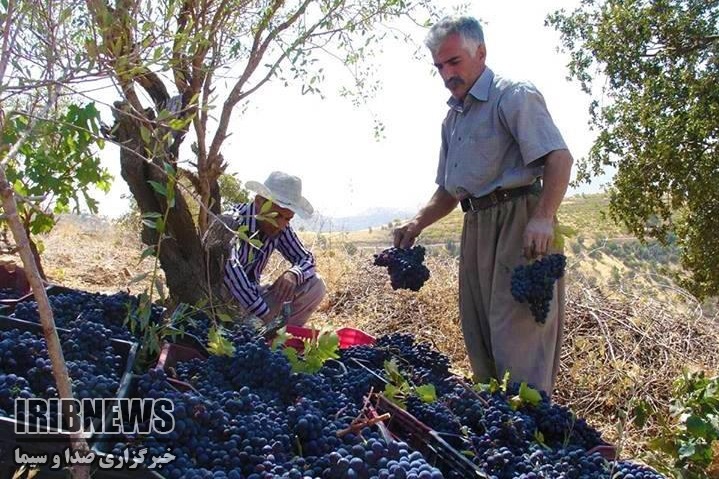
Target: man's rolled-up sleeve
point(303, 262)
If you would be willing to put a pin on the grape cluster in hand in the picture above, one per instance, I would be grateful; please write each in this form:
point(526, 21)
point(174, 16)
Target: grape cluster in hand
point(534, 283)
point(405, 266)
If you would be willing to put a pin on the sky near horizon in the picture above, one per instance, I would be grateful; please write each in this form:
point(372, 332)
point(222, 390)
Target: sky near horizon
point(330, 142)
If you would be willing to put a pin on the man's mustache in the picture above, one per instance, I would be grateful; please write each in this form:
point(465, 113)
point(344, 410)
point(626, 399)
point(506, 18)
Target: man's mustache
point(453, 82)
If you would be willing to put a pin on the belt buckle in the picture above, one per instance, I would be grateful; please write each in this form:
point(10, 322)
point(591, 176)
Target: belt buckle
point(470, 203)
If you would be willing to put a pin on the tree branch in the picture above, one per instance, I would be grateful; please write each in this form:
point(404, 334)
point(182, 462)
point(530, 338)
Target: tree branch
point(15, 149)
point(8, 42)
point(180, 70)
point(257, 52)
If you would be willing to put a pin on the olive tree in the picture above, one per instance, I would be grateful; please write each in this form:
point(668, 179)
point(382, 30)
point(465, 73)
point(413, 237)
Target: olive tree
point(167, 59)
point(653, 68)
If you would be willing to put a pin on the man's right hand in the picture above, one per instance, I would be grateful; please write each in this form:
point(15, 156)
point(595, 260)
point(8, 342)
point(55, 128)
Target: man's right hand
point(405, 235)
point(274, 308)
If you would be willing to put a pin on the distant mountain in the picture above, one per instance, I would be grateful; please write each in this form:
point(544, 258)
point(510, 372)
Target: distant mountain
point(373, 217)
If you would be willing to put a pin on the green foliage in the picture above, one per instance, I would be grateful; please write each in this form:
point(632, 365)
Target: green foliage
point(316, 352)
point(57, 163)
point(399, 388)
point(658, 120)
point(139, 320)
point(232, 191)
point(218, 344)
point(561, 232)
point(525, 396)
point(685, 446)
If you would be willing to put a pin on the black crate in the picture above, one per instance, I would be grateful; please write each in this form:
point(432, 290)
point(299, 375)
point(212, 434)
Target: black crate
point(7, 306)
point(104, 443)
point(405, 427)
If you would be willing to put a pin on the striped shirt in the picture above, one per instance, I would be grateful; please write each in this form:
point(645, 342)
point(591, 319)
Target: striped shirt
point(244, 267)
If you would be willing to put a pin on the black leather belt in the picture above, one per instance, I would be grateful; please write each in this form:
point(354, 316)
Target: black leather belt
point(476, 203)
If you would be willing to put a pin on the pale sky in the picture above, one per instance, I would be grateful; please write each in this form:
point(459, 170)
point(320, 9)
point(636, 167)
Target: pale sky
point(330, 143)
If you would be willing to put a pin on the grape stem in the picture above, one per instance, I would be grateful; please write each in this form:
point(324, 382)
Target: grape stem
point(358, 425)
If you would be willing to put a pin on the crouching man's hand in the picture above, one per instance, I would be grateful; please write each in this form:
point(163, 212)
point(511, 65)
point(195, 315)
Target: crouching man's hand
point(283, 289)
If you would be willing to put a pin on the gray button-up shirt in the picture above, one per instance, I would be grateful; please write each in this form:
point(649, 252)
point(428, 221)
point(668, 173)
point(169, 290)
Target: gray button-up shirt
point(493, 138)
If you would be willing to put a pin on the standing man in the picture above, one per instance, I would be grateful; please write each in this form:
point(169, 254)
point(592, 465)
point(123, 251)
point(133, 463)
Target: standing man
point(300, 285)
point(498, 140)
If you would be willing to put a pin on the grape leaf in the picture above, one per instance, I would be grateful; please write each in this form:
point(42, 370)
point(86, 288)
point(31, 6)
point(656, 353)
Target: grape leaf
point(316, 352)
point(393, 373)
point(280, 339)
point(395, 395)
point(529, 395)
point(426, 393)
point(218, 344)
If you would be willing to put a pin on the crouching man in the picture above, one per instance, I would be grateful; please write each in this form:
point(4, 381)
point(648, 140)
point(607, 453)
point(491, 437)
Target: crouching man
point(300, 285)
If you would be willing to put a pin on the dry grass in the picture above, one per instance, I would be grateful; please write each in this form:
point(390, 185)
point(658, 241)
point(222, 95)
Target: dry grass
point(621, 344)
point(92, 254)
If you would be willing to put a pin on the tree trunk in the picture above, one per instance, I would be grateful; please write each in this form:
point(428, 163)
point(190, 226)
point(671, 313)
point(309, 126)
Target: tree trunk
point(47, 321)
point(36, 254)
point(182, 256)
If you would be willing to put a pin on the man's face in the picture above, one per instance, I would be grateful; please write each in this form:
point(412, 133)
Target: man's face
point(281, 217)
point(458, 69)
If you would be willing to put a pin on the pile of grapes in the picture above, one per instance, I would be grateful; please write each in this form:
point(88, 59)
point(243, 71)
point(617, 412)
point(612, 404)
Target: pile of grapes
point(405, 266)
point(25, 371)
point(111, 311)
point(249, 416)
point(534, 283)
point(8, 293)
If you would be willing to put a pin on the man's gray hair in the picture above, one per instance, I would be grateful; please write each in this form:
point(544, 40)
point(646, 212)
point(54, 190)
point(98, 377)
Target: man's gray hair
point(468, 28)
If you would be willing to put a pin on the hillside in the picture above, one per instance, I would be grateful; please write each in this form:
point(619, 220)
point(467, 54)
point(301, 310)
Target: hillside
point(584, 213)
point(602, 250)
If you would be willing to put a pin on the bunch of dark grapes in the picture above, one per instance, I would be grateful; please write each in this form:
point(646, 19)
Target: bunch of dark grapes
point(8, 293)
point(12, 386)
point(420, 356)
point(440, 418)
point(377, 458)
point(109, 310)
point(534, 283)
point(26, 371)
point(405, 266)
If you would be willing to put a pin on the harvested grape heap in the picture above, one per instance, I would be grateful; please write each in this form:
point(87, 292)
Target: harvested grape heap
point(25, 370)
point(8, 293)
point(250, 416)
point(107, 310)
point(534, 283)
point(405, 266)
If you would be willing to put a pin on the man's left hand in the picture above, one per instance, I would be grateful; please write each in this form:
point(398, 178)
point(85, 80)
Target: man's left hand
point(538, 237)
point(283, 289)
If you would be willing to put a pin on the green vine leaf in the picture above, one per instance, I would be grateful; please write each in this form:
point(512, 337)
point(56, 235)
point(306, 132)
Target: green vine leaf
point(529, 395)
point(560, 233)
point(427, 393)
point(316, 352)
point(218, 344)
point(395, 395)
point(280, 339)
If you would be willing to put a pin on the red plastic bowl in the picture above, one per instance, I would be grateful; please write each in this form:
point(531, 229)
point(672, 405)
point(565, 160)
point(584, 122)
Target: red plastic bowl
point(348, 337)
